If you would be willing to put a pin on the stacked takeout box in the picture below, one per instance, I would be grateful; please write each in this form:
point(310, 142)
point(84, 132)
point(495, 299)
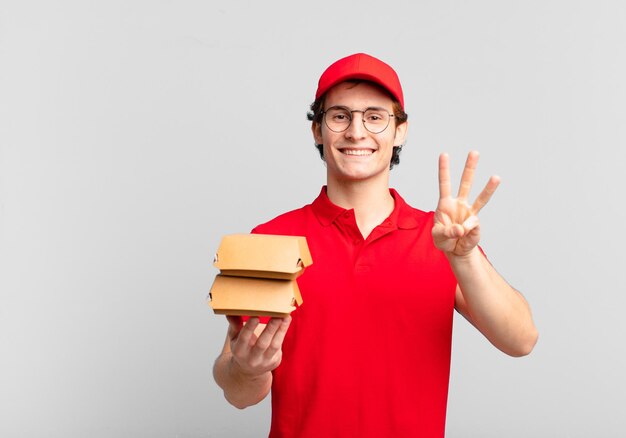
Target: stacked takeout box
point(258, 274)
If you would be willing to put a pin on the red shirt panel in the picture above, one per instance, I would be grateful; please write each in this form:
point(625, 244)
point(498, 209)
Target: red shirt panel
point(368, 352)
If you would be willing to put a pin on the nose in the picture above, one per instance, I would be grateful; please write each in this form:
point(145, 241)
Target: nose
point(356, 130)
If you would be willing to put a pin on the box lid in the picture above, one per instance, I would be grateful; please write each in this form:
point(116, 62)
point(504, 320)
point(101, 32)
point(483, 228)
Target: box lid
point(263, 256)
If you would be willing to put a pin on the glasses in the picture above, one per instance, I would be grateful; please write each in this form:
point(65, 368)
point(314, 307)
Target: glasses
point(339, 118)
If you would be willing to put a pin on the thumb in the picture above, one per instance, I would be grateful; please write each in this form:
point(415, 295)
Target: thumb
point(470, 223)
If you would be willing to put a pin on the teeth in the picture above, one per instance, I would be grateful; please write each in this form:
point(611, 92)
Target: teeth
point(357, 151)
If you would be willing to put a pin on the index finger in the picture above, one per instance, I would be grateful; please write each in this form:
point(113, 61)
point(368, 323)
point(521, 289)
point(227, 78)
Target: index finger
point(486, 194)
point(245, 336)
point(234, 320)
point(235, 324)
point(444, 176)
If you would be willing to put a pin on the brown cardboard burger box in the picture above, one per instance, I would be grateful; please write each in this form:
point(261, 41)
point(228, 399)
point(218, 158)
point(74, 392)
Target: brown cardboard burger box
point(258, 274)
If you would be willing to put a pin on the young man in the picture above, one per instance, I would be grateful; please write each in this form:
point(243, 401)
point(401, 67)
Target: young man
point(368, 352)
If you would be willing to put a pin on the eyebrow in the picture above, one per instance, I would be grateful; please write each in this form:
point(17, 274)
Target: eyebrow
point(377, 108)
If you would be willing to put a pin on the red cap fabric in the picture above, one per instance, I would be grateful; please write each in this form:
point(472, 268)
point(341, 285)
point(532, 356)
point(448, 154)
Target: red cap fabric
point(361, 66)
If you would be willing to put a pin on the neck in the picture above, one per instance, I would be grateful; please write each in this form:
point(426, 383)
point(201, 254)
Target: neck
point(371, 201)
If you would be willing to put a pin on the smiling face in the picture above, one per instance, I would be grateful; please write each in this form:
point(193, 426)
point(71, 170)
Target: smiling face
point(356, 154)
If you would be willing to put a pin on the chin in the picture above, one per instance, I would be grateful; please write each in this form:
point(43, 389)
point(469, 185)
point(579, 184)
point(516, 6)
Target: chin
point(359, 174)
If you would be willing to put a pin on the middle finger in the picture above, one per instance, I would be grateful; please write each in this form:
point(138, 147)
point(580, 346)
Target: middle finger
point(467, 178)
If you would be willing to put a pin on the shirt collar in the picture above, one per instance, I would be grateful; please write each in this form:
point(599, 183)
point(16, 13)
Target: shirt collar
point(403, 216)
point(325, 210)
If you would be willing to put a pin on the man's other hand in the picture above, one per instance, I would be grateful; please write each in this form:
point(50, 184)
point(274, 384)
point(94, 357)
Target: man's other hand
point(255, 349)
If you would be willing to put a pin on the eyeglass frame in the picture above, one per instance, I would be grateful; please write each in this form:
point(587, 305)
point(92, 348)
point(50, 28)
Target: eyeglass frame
point(351, 111)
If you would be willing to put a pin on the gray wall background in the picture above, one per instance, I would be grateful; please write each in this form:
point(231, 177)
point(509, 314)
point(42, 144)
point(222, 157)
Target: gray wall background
point(134, 134)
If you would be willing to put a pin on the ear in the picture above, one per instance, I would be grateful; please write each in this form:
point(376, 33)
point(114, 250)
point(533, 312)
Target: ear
point(401, 131)
point(316, 129)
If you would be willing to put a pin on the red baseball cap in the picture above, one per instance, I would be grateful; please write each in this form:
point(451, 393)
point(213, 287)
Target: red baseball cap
point(361, 66)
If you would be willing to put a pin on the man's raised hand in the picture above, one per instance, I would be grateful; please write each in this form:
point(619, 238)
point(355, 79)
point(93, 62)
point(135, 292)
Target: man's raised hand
point(457, 229)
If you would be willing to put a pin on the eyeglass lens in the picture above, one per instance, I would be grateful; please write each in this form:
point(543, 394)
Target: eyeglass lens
point(338, 119)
